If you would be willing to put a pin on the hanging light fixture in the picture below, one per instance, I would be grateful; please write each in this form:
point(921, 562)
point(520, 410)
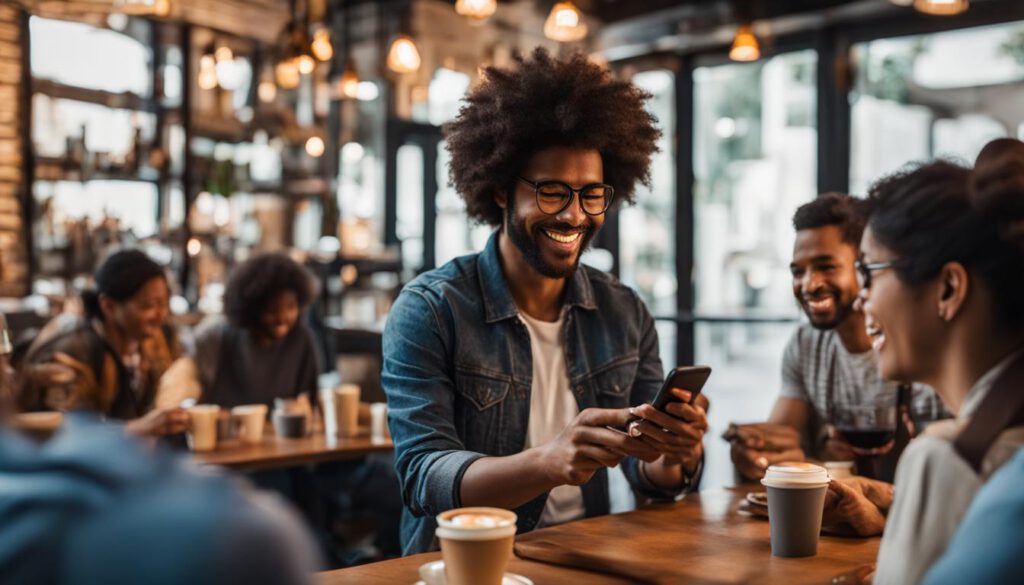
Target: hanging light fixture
point(403, 57)
point(229, 75)
point(315, 146)
point(565, 23)
point(348, 85)
point(321, 46)
point(160, 8)
point(942, 7)
point(305, 64)
point(745, 46)
point(476, 11)
point(286, 72)
point(267, 89)
point(207, 69)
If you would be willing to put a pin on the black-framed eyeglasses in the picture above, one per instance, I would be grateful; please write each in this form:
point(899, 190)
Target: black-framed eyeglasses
point(554, 196)
point(864, 270)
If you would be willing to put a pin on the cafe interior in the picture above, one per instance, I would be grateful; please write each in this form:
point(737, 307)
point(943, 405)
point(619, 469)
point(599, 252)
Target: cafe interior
point(315, 146)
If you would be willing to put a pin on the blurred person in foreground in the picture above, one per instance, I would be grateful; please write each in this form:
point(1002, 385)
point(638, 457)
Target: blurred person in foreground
point(94, 505)
point(829, 364)
point(504, 369)
point(110, 359)
point(942, 272)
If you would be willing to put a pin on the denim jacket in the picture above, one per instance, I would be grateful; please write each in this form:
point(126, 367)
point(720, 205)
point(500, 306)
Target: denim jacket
point(458, 370)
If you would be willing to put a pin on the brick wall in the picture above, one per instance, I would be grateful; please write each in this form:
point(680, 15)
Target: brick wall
point(13, 266)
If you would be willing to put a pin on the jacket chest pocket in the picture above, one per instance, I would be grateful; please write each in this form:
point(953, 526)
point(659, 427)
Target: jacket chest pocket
point(613, 384)
point(481, 412)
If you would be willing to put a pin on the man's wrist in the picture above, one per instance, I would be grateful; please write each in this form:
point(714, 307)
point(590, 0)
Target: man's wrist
point(666, 475)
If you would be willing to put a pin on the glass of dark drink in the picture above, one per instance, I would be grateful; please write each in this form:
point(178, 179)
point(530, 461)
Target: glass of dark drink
point(870, 429)
point(867, 427)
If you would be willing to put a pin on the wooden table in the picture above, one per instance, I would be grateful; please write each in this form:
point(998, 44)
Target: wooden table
point(277, 453)
point(704, 533)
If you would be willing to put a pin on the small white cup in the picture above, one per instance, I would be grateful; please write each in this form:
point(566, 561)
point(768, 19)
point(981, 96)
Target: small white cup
point(379, 422)
point(328, 411)
point(251, 418)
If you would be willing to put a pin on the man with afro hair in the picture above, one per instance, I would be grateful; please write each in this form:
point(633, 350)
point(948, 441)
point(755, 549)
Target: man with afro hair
point(510, 373)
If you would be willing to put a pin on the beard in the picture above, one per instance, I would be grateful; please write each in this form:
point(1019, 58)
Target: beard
point(528, 246)
point(843, 309)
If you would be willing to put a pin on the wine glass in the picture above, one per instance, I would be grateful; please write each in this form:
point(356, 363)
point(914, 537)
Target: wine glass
point(871, 430)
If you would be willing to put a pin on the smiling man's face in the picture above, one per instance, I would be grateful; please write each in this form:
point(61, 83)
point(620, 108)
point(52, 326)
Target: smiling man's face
point(553, 244)
point(824, 276)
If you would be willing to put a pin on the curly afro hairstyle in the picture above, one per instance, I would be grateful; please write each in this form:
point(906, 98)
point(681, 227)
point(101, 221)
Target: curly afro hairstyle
point(543, 102)
point(258, 281)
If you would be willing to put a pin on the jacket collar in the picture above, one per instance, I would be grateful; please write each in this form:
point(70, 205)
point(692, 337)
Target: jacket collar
point(498, 302)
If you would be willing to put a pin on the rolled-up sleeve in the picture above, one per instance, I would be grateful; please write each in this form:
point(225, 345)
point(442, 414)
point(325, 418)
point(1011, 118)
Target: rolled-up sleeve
point(430, 459)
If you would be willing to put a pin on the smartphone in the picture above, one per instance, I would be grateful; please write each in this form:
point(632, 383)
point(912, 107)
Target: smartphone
point(691, 378)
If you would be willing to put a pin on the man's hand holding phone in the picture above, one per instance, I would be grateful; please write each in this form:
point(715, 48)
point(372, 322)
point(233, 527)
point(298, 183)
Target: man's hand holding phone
point(589, 443)
point(677, 432)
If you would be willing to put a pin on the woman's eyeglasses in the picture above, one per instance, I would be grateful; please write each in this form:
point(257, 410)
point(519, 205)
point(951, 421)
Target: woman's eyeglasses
point(864, 270)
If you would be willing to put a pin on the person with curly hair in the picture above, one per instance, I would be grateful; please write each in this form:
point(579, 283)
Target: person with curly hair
point(508, 372)
point(260, 350)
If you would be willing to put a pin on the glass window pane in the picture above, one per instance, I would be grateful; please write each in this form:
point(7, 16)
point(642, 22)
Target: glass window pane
point(131, 203)
point(456, 233)
point(410, 205)
point(647, 229)
point(936, 95)
point(755, 163)
point(747, 362)
point(80, 55)
point(445, 94)
point(106, 130)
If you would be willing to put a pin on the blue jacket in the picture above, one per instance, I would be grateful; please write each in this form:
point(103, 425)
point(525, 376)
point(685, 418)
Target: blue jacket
point(987, 547)
point(458, 372)
point(94, 506)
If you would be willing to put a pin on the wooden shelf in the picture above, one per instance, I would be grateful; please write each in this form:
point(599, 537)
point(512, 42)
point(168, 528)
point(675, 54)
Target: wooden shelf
point(121, 101)
point(53, 169)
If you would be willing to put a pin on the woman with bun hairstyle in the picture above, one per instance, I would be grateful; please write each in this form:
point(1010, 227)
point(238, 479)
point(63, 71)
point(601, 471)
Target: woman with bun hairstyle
point(110, 359)
point(942, 275)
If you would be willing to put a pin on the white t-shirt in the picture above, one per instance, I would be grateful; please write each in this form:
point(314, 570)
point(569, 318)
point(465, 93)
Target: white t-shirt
point(552, 408)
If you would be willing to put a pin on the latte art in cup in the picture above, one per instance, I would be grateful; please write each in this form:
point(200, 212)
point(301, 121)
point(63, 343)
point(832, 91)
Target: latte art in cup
point(476, 544)
point(479, 521)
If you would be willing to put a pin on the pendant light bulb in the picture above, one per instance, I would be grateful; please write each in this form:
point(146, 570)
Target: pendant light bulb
point(565, 23)
point(315, 146)
point(349, 84)
point(321, 46)
point(476, 11)
point(305, 64)
point(287, 74)
point(745, 46)
point(942, 7)
point(207, 72)
point(403, 57)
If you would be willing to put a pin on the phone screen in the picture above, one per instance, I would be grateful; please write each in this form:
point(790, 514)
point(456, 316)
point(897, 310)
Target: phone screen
point(690, 378)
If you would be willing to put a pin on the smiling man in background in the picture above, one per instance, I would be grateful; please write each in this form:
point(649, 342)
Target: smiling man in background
point(504, 369)
point(829, 363)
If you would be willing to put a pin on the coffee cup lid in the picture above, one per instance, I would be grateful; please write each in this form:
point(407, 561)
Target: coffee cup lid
point(796, 474)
